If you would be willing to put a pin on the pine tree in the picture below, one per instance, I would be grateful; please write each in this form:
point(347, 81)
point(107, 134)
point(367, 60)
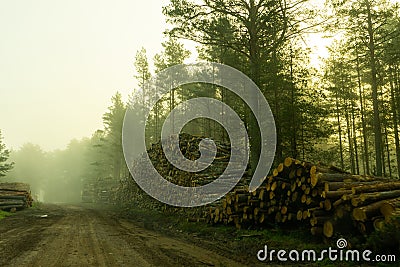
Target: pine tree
point(173, 53)
point(4, 155)
point(113, 121)
point(365, 23)
point(255, 29)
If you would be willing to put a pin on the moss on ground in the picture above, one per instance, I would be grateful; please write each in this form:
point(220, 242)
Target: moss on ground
point(4, 214)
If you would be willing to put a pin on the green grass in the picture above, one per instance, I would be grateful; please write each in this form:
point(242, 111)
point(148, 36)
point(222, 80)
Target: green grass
point(4, 214)
point(36, 204)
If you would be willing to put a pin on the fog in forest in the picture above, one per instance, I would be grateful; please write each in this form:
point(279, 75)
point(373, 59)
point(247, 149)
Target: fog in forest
point(84, 171)
point(61, 62)
point(54, 176)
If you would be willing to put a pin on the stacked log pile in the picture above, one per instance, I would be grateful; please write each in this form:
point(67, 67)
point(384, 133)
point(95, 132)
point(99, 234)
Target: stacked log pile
point(324, 198)
point(15, 196)
point(189, 146)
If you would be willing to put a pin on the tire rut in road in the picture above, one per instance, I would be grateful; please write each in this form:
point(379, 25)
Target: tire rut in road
point(81, 238)
point(88, 237)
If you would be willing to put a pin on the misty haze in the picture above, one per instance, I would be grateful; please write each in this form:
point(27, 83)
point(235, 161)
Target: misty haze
point(299, 149)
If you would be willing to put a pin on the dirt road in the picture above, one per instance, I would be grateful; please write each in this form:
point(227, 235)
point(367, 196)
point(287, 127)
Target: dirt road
point(84, 236)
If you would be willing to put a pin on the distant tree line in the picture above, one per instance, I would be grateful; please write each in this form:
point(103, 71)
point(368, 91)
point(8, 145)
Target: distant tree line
point(60, 175)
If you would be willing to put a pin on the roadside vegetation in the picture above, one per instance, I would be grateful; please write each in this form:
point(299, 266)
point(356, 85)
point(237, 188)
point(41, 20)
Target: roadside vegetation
point(4, 214)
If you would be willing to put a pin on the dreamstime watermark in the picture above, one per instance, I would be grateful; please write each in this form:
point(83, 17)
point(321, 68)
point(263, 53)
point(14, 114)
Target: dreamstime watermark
point(332, 254)
point(213, 74)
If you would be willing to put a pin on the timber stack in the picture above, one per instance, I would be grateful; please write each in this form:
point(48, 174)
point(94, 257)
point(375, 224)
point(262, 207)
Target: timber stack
point(326, 199)
point(323, 198)
point(189, 147)
point(15, 196)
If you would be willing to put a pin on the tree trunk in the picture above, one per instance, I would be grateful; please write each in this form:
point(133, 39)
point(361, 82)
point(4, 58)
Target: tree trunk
point(387, 148)
point(255, 65)
point(350, 139)
point(394, 120)
point(340, 132)
point(374, 87)
point(293, 110)
point(355, 138)
point(364, 125)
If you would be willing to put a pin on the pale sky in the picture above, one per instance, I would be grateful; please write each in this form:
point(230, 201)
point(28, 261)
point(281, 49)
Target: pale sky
point(61, 62)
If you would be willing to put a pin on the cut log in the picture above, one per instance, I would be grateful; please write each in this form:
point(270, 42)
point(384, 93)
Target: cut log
point(335, 194)
point(15, 196)
point(379, 223)
point(389, 207)
point(317, 230)
point(367, 212)
point(15, 187)
point(328, 229)
point(375, 187)
point(368, 197)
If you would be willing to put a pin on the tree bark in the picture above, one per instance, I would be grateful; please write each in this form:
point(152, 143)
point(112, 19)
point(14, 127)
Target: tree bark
point(364, 125)
point(394, 120)
point(374, 87)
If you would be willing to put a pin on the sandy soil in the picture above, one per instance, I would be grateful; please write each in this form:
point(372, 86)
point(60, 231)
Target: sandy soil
point(77, 235)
